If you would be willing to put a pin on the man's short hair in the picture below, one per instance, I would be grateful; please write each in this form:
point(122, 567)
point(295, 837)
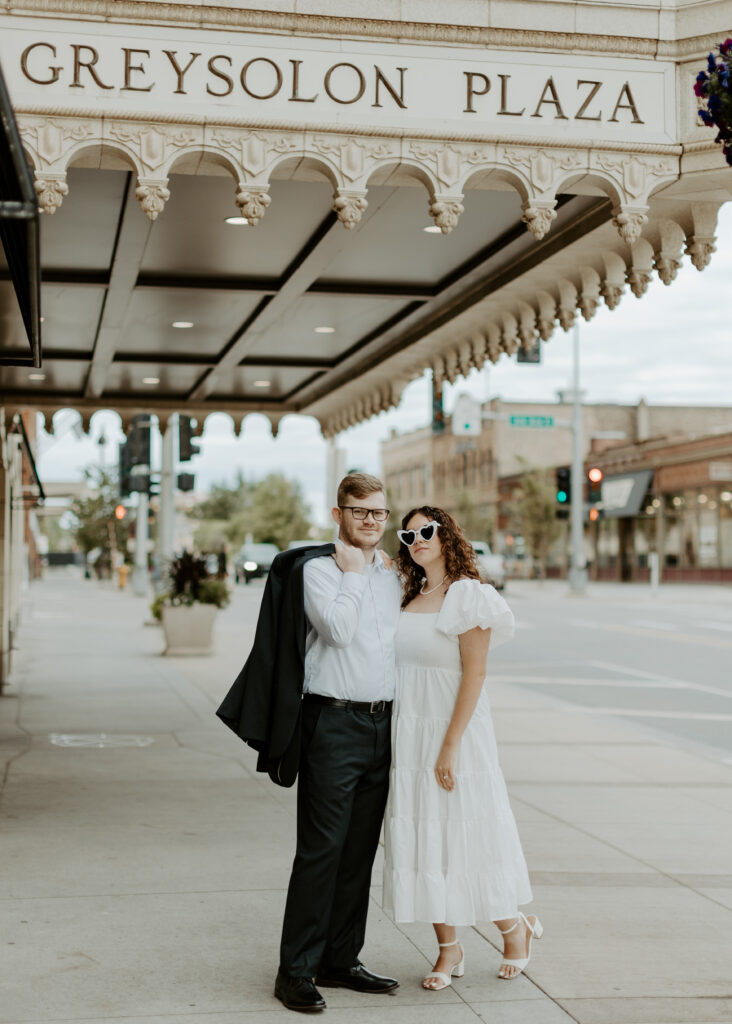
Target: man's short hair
point(358, 485)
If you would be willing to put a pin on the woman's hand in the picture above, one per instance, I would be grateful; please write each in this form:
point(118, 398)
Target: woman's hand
point(445, 767)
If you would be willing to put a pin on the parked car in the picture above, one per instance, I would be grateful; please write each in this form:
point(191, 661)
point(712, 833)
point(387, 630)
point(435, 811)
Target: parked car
point(493, 567)
point(254, 561)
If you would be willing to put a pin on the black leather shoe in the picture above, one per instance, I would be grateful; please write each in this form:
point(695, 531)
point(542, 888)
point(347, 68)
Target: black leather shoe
point(356, 977)
point(298, 994)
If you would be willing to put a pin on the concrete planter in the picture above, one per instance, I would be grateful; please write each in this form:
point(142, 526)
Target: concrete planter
point(189, 629)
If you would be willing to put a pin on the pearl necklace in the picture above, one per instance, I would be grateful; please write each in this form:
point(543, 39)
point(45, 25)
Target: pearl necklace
point(432, 589)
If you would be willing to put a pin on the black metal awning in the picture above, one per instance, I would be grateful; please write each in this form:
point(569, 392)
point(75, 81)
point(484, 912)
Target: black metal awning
point(19, 232)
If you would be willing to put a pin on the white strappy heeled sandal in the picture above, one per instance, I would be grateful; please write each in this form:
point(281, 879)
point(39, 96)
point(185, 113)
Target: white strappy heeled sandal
point(535, 932)
point(455, 972)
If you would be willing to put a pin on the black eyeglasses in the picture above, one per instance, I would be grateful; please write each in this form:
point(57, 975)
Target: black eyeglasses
point(379, 515)
point(426, 532)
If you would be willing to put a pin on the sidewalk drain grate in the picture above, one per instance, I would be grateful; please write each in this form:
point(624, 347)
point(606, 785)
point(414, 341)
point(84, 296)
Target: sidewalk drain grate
point(98, 740)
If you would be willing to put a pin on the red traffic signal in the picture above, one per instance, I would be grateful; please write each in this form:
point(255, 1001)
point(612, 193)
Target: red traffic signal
point(595, 477)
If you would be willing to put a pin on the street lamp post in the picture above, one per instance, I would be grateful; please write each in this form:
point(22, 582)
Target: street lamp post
point(578, 564)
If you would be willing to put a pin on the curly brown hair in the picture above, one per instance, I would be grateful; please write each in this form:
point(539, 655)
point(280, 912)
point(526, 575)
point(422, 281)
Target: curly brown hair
point(460, 562)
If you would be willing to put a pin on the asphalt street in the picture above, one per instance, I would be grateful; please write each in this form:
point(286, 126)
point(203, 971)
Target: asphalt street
point(662, 659)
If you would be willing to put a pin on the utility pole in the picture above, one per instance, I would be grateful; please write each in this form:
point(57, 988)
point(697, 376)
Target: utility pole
point(166, 521)
point(140, 574)
point(578, 566)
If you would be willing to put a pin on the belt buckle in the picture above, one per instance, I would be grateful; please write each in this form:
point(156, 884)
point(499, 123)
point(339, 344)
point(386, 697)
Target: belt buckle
point(376, 705)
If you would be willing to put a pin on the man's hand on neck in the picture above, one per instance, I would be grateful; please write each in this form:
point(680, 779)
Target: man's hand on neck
point(351, 559)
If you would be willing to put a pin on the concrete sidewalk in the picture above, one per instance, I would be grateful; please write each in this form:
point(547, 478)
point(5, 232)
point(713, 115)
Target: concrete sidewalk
point(145, 883)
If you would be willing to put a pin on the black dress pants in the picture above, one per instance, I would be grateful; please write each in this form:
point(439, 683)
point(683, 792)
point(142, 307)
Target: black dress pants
point(342, 790)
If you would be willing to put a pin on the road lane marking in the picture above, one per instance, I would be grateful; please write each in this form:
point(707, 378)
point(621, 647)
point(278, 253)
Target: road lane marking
point(565, 681)
point(662, 634)
point(657, 676)
point(724, 627)
point(652, 624)
point(700, 716)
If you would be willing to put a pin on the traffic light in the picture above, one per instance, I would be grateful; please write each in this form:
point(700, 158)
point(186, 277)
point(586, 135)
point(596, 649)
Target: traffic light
point(120, 512)
point(187, 448)
point(563, 492)
point(124, 471)
point(438, 409)
point(594, 485)
point(186, 481)
point(138, 440)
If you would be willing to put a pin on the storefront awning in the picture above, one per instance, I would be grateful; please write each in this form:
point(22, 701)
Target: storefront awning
point(20, 241)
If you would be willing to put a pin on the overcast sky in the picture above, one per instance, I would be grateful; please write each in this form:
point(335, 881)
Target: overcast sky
point(673, 346)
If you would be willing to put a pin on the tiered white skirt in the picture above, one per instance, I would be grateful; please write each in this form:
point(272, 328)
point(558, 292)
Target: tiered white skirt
point(451, 857)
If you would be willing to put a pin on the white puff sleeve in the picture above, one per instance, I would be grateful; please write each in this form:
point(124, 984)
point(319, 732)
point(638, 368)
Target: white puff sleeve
point(470, 603)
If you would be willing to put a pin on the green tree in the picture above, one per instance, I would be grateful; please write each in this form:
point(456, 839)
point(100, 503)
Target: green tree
point(534, 511)
point(95, 523)
point(476, 523)
point(275, 514)
point(223, 502)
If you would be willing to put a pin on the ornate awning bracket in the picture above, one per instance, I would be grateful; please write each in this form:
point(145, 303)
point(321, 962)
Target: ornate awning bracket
point(539, 170)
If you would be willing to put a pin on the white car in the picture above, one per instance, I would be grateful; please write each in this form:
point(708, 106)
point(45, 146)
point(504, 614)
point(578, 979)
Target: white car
point(493, 567)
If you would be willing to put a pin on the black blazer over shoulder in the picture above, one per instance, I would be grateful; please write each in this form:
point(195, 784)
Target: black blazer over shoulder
point(263, 705)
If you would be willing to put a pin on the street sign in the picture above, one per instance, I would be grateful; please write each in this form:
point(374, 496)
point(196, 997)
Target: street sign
point(531, 421)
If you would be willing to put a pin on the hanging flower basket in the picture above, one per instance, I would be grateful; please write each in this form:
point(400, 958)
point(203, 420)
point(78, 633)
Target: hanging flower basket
point(714, 89)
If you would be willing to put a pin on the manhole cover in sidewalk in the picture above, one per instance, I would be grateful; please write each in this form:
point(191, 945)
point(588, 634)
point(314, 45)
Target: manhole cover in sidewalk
point(98, 739)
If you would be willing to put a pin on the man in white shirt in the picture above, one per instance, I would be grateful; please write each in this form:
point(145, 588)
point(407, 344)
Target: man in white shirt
point(352, 604)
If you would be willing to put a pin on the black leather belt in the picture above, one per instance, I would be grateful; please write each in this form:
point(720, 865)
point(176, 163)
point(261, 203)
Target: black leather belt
point(372, 707)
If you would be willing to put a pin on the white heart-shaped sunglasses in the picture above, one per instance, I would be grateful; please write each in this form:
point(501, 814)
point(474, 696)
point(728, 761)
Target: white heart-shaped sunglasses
point(426, 532)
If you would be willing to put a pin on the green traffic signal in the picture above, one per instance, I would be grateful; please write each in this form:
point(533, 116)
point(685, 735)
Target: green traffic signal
point(562, 497)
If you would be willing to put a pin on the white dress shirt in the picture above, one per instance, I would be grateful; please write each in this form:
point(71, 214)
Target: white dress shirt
point(353, 618)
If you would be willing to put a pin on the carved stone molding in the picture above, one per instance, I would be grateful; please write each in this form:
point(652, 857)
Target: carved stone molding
point(445, 211)
point(538, 216)
point(152, 195)
point(155, 147)
point(667, 267)
point(630, 222)
point(612, 294)
point(638, 280)
point(349, 206)
point(536, 169)
point(253, 202)
point(700, 251)
point(51, 187)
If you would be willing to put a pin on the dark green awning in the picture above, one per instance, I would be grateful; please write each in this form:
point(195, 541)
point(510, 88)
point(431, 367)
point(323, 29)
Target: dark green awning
point(19, 231)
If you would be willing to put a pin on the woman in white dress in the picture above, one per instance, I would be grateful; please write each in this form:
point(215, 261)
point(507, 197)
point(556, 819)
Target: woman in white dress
point(453, 854)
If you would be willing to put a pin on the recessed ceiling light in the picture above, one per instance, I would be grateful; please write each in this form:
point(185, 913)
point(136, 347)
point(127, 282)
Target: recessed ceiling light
point(241, 221)
point(36, 376)
point(182, 324)
point(151, 380)
point(432, 229)
point(262, 383)
point(325, 330)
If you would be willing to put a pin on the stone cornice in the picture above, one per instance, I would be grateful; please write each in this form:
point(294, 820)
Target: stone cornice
point(269, 125)
point(212, 17)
